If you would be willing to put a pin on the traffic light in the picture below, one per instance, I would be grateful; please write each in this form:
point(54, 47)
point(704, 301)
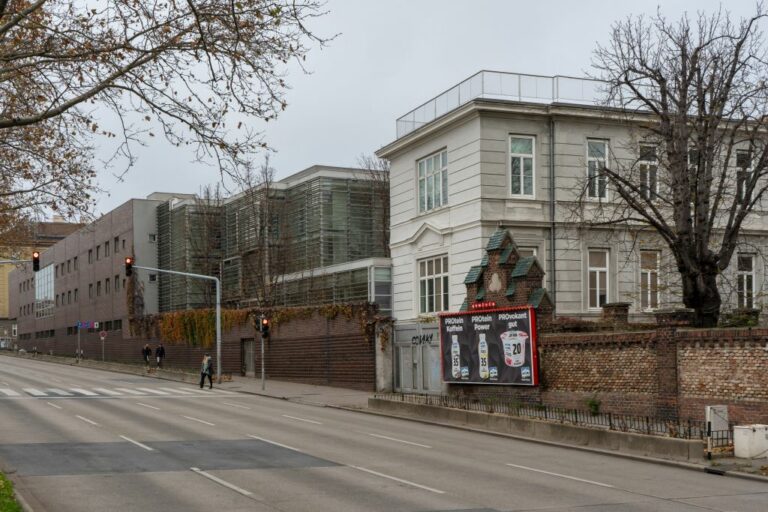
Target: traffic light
point(35, 261)
point(128, 266)
point(264, 328)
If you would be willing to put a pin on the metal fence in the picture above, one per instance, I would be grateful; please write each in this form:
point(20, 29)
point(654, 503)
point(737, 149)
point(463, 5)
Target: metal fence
point(649, 425)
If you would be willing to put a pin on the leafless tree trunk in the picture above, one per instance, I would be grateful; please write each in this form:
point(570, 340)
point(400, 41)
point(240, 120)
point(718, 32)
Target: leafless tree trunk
point(696, 96)
point(207, 238)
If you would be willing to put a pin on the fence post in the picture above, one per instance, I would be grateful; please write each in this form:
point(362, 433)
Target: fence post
point(610, 421)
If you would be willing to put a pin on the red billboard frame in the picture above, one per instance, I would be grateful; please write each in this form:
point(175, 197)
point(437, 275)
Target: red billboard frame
point(534, 343)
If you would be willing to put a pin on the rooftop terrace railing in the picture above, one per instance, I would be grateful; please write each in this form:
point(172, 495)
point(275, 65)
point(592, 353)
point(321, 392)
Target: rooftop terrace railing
point(504, 86)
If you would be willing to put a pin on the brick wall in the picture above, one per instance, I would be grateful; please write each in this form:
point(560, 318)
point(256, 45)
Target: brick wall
point(665, 373)
point(315, 350)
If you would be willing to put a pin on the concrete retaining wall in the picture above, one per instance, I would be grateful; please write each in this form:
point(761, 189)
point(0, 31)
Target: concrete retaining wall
point(636, 444)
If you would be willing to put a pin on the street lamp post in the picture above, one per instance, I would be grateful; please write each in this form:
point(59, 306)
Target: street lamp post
point(218, 306)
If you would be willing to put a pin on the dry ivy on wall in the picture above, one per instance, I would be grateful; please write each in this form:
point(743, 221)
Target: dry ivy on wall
point(198, 327)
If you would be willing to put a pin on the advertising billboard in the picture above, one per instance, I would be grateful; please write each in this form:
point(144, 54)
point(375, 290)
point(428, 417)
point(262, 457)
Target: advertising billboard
point(495, 346)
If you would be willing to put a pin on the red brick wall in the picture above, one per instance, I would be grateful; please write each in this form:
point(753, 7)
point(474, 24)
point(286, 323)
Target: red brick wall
point(664, 373)
point(314, 350)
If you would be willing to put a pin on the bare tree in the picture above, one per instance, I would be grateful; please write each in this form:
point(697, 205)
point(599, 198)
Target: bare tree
point(377, 171)
point(197, 71)
point(696, 97)
point(206, 238)
point(263, 238)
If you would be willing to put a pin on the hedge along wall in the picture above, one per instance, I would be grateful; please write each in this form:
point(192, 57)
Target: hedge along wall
point(663, 373)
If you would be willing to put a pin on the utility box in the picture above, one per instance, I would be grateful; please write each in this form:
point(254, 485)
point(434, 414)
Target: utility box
point(750, 441)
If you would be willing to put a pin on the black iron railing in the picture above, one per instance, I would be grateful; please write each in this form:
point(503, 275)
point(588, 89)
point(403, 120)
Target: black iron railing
point(649, 425)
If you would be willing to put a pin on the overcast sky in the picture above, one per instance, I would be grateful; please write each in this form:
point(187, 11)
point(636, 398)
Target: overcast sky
point(390, 56)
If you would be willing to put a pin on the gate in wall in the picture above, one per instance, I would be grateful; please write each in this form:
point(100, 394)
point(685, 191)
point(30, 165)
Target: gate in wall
point(417, 358)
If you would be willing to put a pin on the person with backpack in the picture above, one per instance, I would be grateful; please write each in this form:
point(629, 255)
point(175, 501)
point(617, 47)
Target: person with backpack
point(160, 355)
point(146, 353)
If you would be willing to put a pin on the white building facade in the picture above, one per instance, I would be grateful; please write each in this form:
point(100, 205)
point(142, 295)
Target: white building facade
point(513, 151)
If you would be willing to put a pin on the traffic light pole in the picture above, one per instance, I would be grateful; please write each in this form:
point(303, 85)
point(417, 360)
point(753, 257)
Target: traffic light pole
point(218, 306)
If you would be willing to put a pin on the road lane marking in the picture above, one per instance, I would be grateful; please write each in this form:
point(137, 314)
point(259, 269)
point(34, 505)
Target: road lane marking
point(53, 405)
point(199, 420)
point(148, 406)
point(83, 391)
point(236, 405)
point(561, 476)
point(34, 392)
point(9, 392)
point(105, 391)
point(302, 419)
point(281, 445)
point(221, 482)
point(87, 420)
point(198, 391)
point(222, 392)
point(183, 392)
point(397, 440)
point(130, 391)
point(140, 445)
point(60, 392)
point(406, 482)
point(153, 391)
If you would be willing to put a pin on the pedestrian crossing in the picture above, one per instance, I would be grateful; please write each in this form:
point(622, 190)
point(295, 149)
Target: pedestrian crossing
point(103, 392)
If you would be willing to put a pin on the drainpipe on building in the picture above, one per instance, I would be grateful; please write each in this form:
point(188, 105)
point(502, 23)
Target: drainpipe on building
point(552, 270)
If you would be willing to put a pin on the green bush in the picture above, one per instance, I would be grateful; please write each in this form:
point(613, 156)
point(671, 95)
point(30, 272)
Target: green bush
point(8, 502)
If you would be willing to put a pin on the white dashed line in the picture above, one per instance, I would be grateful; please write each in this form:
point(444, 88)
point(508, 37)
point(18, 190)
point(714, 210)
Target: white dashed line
point(153, 391)
point(172, 390)
point(281, 445)
point(53, 405)
point(398, 440)
point(199, 421)
point(148, 406)
point(33, 392)
point(83, 391)
point(236, 405)
point(560, 476)
point(149, 449)
point(221, 482)
point(108, 392)
point(406, 482)
point(302, 419)
point(87, 420)
point(60, 392)
point(130, 391)
point(9, 392)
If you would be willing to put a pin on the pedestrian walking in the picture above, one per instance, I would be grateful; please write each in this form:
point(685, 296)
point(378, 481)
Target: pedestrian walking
point(160, 355)
point(146, 353)
point(205, 371)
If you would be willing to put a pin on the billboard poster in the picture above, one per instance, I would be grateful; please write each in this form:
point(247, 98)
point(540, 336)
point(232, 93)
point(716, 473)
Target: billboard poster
point(493, 346)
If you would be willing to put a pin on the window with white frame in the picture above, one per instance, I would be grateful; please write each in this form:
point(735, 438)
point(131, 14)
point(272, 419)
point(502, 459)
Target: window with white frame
point(648, 165)
point(433, 181)
point(521, 165)
point(597, 157)
point(745, 280)
point(597, 276)
point(743, 172)
point(433, 285)
point(649, 279)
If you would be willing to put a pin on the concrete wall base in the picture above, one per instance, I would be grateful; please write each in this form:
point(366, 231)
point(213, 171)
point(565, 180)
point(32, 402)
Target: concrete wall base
point(635, 444)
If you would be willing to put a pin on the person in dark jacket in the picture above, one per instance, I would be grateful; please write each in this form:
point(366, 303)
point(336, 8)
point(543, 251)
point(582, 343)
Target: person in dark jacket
point(160, 355)
point(146, 353)
point(206, 370)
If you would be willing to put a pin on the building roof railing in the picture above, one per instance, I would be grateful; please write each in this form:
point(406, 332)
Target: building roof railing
point(499, 85)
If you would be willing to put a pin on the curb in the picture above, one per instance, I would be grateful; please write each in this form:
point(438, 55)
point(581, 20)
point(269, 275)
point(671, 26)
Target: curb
point(10, 474)
point(639, 458)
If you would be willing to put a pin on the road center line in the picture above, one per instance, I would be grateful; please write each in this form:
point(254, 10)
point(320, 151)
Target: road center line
point(236, 405)
point(199, 420)
point(148, 406)
point(397, 440)
point(53, 405)
point(140, 445)
point(281, 445)
point(221, 482)
point(87, 420)
point(561, 476)
point(302, 419)
point(406, 482)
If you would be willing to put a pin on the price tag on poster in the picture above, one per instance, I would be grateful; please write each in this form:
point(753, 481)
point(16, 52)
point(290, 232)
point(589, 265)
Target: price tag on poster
point(490, 347)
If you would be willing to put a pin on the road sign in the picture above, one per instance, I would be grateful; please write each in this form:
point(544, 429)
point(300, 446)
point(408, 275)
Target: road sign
point(102, 335)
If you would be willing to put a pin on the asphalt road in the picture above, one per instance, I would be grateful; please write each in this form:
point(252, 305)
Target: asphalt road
point(88, 440)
